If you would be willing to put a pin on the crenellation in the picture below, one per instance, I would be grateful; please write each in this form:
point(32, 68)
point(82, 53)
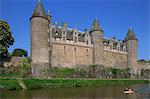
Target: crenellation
point(70, 42)
point(114, 50)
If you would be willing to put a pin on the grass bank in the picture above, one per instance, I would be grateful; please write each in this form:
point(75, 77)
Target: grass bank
point(30, 83)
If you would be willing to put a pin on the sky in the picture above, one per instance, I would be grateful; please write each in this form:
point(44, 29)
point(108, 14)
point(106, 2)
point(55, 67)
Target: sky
point(115, 17)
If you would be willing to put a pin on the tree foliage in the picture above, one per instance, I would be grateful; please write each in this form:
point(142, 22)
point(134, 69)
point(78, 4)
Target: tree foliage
point(20, 53)
point(6, 39)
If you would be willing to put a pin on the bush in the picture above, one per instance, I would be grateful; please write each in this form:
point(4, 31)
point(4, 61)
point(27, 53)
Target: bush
point(25, 69)
point(11, 84)
point(59, 72)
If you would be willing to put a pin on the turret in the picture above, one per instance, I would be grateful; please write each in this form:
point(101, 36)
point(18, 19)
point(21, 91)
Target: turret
point(87, 38)
point(131, 44)
point(39, 29)
point(64, 31)
point(75, 35)
point(97, 40)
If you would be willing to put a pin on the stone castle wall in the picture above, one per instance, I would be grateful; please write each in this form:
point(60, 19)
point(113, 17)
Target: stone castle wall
point(115, 58)
point(69, 54)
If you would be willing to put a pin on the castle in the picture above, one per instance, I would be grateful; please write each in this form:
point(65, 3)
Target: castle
point(67, 47)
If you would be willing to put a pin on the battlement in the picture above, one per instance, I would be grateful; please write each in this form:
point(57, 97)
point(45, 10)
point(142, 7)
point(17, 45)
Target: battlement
point(107, 48)
point(70, 42)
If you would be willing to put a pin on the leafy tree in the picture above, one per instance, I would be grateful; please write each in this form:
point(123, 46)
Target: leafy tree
point(6, 39)
point(20, 53)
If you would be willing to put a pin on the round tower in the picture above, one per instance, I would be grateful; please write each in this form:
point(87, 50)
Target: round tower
point(97, 40)
point(131, 43)
point(39, 30)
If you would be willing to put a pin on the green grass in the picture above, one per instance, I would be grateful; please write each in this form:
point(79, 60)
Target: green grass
point(11, 84)
point(10, 75)
point(31, 83)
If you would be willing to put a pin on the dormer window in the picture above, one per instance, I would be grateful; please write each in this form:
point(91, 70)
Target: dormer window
point(124, 48)
point(64, 35)
point(111, 45)
point(118, 47)
point(87, 42)
point(56, 33)
point(64, 32)
point(75, 39)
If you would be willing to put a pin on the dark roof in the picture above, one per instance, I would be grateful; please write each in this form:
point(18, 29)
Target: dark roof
point(130, 35)
point(115, 41)
point(81, 37)
point(39, 10)
point(96, 26)
point(69, 34)
point(57, 33)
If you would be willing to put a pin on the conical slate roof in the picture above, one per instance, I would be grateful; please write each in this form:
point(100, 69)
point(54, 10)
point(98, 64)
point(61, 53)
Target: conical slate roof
point(39, 10)
point(130, 35)
point(96, 26)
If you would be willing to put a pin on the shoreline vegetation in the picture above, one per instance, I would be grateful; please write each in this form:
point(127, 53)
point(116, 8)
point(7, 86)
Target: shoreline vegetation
point(19, 77)
point(32, 83)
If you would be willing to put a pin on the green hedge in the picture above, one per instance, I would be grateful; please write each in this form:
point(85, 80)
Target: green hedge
point(8, 83)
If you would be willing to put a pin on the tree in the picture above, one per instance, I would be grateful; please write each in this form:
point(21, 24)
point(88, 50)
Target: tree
point(6, 39)
point(20, 53)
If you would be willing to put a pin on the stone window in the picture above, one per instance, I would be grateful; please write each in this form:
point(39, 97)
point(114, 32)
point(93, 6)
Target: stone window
point(64, 49)
point(75, 39)
point(124, 48)
point(118, 48)
point(63, 35)
point(64, 32)
point(64, 38)
point(75, 51)
point(111, 47)
point(87, 42)
point(86, 52)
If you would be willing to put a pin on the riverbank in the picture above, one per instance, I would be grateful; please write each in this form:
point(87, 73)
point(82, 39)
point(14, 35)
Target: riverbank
point(31, 83)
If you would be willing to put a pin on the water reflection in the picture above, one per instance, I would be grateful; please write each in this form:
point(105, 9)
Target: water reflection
point(98, 92)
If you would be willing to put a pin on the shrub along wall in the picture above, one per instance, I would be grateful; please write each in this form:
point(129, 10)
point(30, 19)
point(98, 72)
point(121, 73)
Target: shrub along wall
point(92, 71)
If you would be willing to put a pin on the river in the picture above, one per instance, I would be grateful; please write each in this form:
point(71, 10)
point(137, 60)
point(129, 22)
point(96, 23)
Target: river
point(141, 91)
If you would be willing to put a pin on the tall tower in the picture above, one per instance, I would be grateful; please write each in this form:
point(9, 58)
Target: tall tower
point(39, 29)
point(97, 40)
point(131, 43)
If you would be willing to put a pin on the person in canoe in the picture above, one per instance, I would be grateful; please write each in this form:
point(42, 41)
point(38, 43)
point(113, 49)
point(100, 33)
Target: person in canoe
point(128, 91)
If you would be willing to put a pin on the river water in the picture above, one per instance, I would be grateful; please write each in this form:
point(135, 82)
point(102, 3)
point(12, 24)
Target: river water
point(141, 91)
